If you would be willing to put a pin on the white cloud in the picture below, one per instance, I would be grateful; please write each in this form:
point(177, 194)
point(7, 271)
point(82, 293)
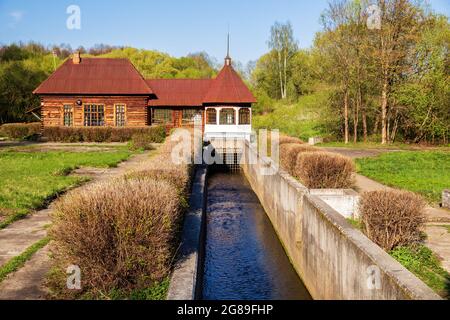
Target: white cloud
point(16, 16)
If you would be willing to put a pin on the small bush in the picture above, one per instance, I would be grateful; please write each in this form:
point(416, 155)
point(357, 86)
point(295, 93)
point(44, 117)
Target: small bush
point(178, 177)
point(154, 134)
point(121, 233)
point(392, 218)
point(289, 153)
point(141, 141)
point(20, 130)
point(324, 170)
point(287, 139)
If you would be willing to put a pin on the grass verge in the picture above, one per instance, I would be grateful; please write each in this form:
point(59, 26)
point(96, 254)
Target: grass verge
point(156, 292)
point(426, 266)
point(29, 180)
point(18, 262)
point(424, 172)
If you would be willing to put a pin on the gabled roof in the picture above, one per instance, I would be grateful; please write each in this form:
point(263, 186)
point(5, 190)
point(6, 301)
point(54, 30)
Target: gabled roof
point(228, 87)
point(95, 76)
point(179, 92)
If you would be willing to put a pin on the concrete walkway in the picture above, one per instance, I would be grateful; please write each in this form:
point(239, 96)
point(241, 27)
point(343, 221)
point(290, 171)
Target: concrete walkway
point(27, 283)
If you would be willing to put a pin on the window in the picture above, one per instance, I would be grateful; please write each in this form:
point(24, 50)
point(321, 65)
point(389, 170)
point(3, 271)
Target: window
point(244, 116)
point(68, 116)
point(189, 115)
point(119, 115)
point(211, 116)
point(94, 115)
point(162, 115)
point(227, 116)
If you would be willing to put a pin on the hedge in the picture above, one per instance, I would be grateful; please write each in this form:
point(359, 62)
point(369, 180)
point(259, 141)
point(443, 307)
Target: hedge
point(20, 130)
point(155, 134)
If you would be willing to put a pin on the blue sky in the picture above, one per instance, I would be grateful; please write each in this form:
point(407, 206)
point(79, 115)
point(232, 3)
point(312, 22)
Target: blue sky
point(174, 26)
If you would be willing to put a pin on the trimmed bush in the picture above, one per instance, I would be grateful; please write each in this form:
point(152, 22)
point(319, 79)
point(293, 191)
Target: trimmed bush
point(287, 139)
point(141, 141)
point(121, 234)
point(392, 218)
point(289, 153)
point(154, 134)
point(20, 130)
point(324, 170)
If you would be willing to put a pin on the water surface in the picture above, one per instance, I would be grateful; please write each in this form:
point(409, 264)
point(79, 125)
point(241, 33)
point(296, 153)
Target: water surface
point(244, 260)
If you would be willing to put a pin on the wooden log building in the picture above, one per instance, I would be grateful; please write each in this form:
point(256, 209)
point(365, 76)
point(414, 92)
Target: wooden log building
point(111, 92)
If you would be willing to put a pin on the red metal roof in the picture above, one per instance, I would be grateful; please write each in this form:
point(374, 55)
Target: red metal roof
point(228, 87)
point(95, 76)
point(179, 92)
point(105, 76)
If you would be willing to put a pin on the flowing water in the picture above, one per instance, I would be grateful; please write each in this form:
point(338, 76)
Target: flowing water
point(244, 259)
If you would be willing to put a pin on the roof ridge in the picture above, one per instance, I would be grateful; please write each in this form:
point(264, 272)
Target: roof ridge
point(142, 77)
point(173, 79)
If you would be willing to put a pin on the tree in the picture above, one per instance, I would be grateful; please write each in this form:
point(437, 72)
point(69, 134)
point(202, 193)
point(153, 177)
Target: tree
point(398, 34)
point(283, 44)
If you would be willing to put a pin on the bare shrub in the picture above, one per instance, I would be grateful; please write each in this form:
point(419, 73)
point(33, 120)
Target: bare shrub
point(392, 218)
point(141, 141)
point(289, 153)
point(176, 176)
point(324, 170)
point(120, 233)
point(287, 139)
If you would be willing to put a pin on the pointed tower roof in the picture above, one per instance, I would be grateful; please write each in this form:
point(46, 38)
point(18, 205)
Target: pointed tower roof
point(228, 87)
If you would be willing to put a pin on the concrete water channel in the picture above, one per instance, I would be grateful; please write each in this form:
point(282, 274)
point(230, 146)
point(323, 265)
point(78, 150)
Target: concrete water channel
point(244, 259)
point(258, 236)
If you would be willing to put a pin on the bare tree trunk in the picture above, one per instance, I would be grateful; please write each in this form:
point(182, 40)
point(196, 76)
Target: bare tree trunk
point(355, 123)
point(394, 129)
point(384, 107)
point(376, 124)
point(346, 133)
point(364, 123)
point(285, 75)
point(281, 75)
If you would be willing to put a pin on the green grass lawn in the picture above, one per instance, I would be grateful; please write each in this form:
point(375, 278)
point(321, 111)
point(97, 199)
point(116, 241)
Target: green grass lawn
point(424, 172)
point(303, 119)
point(377, 145)
point(28, 179)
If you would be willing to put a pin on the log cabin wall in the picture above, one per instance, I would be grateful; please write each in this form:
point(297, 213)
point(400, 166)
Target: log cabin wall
point(136, 109)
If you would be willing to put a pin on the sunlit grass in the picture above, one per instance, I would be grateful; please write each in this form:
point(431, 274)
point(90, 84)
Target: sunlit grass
point(27, 180)
point(424, 172)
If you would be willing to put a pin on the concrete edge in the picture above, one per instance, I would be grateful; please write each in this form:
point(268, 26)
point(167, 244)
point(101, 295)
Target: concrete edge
point(186, 279)
point(406, 280)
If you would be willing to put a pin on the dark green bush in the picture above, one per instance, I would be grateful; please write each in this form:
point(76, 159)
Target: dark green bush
point(102, 134)
point(20, 130)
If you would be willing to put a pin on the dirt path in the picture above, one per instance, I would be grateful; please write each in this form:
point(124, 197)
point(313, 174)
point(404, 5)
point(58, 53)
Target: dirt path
point(26, 283)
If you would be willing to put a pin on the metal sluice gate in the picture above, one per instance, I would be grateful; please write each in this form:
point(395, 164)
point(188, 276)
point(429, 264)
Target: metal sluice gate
point(228, 160)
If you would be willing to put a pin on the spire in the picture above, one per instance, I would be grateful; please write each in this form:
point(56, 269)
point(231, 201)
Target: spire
point(227, 58)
